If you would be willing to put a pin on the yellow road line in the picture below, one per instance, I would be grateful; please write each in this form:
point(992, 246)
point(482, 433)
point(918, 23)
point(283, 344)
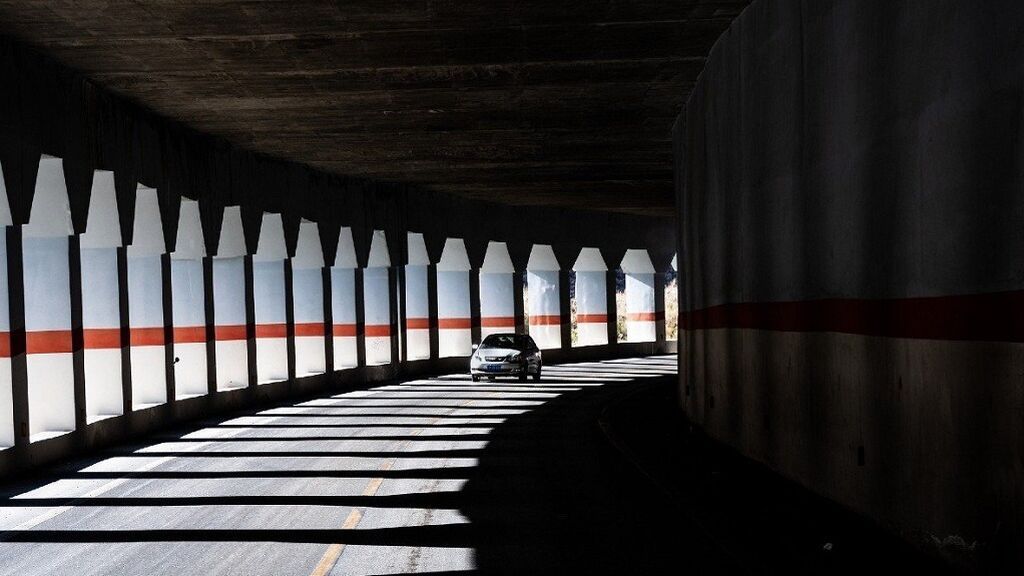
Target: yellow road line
point(333, 553)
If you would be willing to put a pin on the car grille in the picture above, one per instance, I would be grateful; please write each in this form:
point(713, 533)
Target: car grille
point(494, 358)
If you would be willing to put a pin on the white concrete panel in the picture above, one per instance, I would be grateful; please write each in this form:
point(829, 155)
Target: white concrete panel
point(189, 243)
point(48, 331)
point(346, 254)
point(637, 262)
point(453, 256)
point(308, 292)
point(542, 257)
point(590, 260)
point(103, 394)
point(497, 260)
point(50, 215)
point(229, 321)
point(51, 395)
point(417, 312)
point(376, 295)
point(417, 250)
point(103, 227)
point(269, 299)
point(271, 360)
point(418, 344)
point(270, 245)
point(640, 324)
point(189, 316)
point(544, 308)
point(148, 231)
point(379, 257)
point(190, 372)
point(343, 313)
point(146, 318)
point(591, 308)
point(101, 320)
point(309, 252)
point(231, 243)
point(455, 338)
point(6, 404)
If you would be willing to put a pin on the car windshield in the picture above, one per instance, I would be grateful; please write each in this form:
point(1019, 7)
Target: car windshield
point(501, 341)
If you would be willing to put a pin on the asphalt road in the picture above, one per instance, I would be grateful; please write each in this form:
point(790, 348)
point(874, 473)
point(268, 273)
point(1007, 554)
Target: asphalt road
point(427, 476)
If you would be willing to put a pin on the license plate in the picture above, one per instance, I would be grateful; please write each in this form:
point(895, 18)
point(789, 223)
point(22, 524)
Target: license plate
point(493, 367)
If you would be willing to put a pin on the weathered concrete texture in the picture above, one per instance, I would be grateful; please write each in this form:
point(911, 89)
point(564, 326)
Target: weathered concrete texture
point(533, 102)
point(861, 151)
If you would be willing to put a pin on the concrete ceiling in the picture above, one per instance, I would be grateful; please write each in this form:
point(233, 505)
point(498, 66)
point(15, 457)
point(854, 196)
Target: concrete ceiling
point(543, 102)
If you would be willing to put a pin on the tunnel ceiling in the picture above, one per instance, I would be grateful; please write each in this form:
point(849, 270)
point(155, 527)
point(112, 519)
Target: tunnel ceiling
point(543, 102)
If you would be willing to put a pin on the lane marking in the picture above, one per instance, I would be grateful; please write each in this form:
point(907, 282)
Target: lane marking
point(333, 553)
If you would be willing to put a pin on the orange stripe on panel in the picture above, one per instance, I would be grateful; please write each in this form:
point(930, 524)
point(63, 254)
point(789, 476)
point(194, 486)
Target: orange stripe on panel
point(101, 338)
point(271, 330)
point(310, 329)
point(498, 321)
point(146, 336)
point(591, 318)
point(344, 330)
point(417, 323)
point(453, 323)
point(48, 342)
point(644, 316)
point(545, 320)
point(190, 335)
point(5, 344)
point(377, 330)
point(230, 332)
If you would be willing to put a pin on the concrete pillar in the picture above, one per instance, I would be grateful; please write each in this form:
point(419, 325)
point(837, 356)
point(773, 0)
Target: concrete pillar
point(435, 332)
point(188, 294)
point(269, 302)
point(659, 306)
point(7, 426)
point(498, 294)
point(308, 299)
point(146, 303)
point(229, 304)
point(343, 303)
point(641, 319)
point(611, 305)
point(453, 306)
point(47, 293)
point(543, 280)
point(591, 298)
point(101, 310)
point(377, 294)
point(416, 298)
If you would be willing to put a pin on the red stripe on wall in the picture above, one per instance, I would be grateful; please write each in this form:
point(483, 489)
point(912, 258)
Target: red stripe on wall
point(591, 318)
point(454, 323)
point(101, 338)
point(498, 321)
point(545, 320)
point(229, 332)
point(996, 317)
point(377, 330)
point(146, 336)
point(645, 316)
point(5, 344)
point(48, 342)
point(271, 330)
point(417, 323)
point(310, 329)
point(343, 330)
point(190, 334)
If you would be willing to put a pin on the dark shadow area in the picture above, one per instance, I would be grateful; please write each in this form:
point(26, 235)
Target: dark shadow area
point(550, 493)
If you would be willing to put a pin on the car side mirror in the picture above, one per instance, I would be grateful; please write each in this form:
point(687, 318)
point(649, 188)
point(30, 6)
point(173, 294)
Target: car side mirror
point(475, 346)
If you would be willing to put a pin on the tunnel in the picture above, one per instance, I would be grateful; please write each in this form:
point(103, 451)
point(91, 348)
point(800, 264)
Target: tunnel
point(275, 276)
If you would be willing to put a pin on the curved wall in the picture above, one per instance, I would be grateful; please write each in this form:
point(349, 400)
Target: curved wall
point(851, 197)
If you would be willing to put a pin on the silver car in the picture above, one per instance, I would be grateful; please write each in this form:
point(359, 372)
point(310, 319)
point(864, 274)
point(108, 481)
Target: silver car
point(506, 355)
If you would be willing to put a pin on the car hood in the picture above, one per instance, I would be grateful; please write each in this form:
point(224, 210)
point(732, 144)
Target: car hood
point(493, 352)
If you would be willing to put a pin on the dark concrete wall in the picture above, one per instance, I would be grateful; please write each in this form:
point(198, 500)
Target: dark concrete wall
point(850, 178)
